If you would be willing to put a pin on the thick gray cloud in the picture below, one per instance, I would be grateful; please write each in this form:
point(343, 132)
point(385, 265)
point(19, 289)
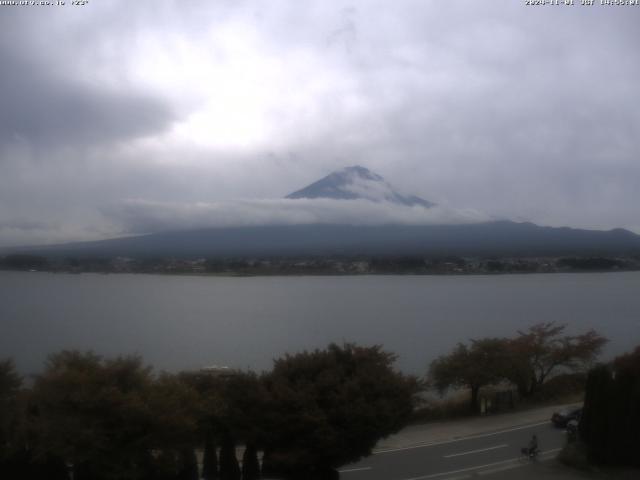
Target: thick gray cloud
point(47, 103)
point(140, 216)
point(48, 112)
point(520, 112)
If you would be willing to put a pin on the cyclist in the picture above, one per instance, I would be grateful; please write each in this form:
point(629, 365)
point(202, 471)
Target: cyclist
point(533, 446)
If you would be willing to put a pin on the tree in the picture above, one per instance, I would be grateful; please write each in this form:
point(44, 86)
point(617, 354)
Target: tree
point(93, 414)
point(229, 468)
point(231, 408)
point(175, 408)
point(188, 465)
point(330, 407)
point(22, 261)
point(250, 464)
point(543, 349)
point(209, 459)
point(107, 417)
point(241, 401)
point(10, 383)
point(610, 424)
point(595, 422)
point(482, 363)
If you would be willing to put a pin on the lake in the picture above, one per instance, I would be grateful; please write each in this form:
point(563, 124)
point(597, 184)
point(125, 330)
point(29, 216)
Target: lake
point(186, 322)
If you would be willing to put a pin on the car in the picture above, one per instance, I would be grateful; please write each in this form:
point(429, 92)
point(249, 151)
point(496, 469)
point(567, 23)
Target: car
point(561, 418)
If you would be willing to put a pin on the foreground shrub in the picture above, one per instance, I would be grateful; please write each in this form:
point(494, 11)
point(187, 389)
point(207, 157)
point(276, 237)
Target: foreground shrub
point(330, 407)
point(610, 424)
point(574, 454)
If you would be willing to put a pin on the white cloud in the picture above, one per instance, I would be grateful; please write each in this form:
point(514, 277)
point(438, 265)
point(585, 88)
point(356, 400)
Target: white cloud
point(143, 216)
point(459, 101)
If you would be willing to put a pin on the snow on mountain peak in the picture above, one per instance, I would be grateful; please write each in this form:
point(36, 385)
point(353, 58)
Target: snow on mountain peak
point(356, 182)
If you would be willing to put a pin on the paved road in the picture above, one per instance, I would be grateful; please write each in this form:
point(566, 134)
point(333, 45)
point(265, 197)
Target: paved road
point(481, 454)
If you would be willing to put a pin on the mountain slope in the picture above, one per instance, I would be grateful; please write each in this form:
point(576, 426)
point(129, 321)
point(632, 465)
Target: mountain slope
point(357, 183)
point(499, 238)
point(492, 238)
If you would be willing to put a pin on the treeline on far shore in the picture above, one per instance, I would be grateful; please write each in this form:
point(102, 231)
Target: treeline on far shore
point(321, 265)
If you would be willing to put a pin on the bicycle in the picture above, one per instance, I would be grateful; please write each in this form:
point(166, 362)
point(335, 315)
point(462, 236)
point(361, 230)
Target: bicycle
point(530, 454)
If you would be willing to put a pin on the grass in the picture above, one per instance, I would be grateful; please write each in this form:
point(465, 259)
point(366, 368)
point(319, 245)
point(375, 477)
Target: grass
point(574, 455)
point(562, 389)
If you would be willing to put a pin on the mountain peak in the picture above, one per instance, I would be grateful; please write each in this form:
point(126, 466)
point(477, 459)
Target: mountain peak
point(360, 172)
point(357, 182)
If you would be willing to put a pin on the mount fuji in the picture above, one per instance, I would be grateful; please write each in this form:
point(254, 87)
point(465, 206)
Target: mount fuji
point(357, 182)
point(299, 225)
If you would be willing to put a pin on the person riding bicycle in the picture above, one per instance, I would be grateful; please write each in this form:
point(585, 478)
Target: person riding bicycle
point(533, 445)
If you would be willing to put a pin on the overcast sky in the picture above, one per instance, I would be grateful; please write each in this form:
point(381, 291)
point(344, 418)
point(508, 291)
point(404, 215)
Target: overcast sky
point(522, 112)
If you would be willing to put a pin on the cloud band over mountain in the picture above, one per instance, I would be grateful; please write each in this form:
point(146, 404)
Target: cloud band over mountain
point(137, 216)
point(526, 113)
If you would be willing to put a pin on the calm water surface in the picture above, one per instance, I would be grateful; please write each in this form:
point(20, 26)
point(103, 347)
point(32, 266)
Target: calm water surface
point(181, 322)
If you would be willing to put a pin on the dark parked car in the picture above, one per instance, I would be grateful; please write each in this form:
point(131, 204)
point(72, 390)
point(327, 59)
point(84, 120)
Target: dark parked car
point(561, 418)
point(572, 427)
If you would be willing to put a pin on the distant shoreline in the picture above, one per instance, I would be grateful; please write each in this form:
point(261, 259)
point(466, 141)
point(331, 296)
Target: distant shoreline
point(315, 274)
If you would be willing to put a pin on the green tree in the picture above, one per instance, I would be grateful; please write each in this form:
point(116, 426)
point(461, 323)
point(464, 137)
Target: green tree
point(23, 262)
point(595, 423)
point(250, 464)
point(188, 465)
point(93, 413)
point(482, 363)
point(175, 408)
point(10, 445)
point(111, 418)
point(610, 424)
point(330, 407)
point(231, 404)
point(10, 383)
point(229, 468)
point(231, 409)
point(209, 459)
point(543, 350)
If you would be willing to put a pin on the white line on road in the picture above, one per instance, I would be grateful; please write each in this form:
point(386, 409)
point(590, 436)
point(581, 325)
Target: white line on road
point(470, 437)
point(477, 467)
point(354, 469)
point(501, 468)
point(475, 451)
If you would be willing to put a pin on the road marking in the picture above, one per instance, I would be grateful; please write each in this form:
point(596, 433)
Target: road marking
point(477, 467)
point(354, 469)
point(500, 469)
point(475, 451)
point(470, 437)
